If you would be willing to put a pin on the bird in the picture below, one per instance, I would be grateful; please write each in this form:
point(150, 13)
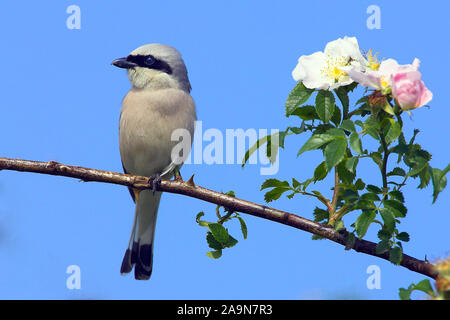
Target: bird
point(158, 103)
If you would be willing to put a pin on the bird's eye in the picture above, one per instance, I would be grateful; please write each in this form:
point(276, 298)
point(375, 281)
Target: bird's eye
point(149, 60)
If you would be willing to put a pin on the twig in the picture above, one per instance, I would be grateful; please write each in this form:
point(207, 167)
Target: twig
point(232, 203)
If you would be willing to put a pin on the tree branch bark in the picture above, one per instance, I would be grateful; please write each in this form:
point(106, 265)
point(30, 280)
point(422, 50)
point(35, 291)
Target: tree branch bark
point(188, 188)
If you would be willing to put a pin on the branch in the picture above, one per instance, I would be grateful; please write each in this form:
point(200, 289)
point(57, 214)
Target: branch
point(191, 190)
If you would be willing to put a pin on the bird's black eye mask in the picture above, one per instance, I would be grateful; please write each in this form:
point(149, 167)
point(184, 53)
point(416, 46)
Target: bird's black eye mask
point(150, 62)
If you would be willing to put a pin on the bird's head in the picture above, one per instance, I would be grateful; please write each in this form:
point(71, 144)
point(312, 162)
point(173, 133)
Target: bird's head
point(155, 66)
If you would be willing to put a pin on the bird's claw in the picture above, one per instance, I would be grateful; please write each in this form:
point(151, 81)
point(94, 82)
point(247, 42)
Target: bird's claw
point(154, 180)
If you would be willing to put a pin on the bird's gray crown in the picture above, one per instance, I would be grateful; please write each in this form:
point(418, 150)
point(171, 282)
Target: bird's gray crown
point(155, 66)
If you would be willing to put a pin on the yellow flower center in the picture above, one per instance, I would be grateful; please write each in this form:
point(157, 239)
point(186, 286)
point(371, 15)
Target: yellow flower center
point(383, 82)
point(374, 62)
point(332, 71)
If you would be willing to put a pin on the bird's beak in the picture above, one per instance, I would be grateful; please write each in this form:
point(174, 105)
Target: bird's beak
point(123, 63)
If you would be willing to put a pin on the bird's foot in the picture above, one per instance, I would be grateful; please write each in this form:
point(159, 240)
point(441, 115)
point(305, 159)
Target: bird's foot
point(177, 176)
point(154, 180)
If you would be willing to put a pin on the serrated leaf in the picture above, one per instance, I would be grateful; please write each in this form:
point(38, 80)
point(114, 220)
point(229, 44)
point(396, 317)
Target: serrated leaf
point(383, 246)
point(403, 236)
point(370, 196)
point(374, 189)
point(325, 105)
point(274, 194)
point(219, 232)
point(299, 95)
point(396, 255)
point(363, 222)
point(355, 143)
point(392, 131)
point(320, 214)
point(243, 227)
point(214, 254)
point(439, 182)
point(316, 141)
point(212, 242)
point(397, 195)
point(320, 172)
point(397, 171)
point(388, 219)
point(336, 118)
point(335, 152)
point(231, 242)
point(351, 164)
point(397, 206)
point(348, 125)
point(344, 174)
point(383, 234)
point(305, 113)
point(271, 183)
point(342, 94)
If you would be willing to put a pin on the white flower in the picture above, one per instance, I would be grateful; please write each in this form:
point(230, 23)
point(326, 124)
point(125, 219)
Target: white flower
point(324, 70)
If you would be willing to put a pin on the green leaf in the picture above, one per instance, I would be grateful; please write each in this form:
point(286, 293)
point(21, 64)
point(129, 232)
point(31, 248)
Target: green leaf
point(320, 172)
point(383, 246)
point(277, 139)
point(212, 242)
point(391, 131)
point(342, 94)
point(351, 164)
point(344, 174)
point(404, 294)
point(397, 206)
point(299, 95)
point(397, 171)
point(370, 196)
point(325, 105)
point(376, 157)
point(253, 148)
point(274, 194)
point(271, 183)
point(214, 254)
point(349, 241)
point(355, 143)
point(396, 255)
point(316, 141)
point(231, 242)
point(219, 232)
point(320, 214)
point(424, 286)
point(388, 218)
point(360, 185)
point(336, 118)
point(374, 189)
point(335, 152)
point(243, 227)
point(383, 234)
point(439, 181)
point(403, 236)
point(363, 222)
point(348, 125)
point(397, 195)
point(305, 113)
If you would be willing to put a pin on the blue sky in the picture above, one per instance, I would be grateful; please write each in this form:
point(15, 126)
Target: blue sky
point(61, 101)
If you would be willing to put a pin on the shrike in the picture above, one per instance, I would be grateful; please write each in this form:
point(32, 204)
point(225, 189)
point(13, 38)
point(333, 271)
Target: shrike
point(158, 103)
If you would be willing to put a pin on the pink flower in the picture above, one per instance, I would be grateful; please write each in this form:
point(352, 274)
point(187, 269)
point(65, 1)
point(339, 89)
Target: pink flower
point(409, 90)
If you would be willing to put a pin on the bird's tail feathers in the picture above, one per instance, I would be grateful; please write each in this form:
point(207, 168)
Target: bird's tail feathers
point(139, 252)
